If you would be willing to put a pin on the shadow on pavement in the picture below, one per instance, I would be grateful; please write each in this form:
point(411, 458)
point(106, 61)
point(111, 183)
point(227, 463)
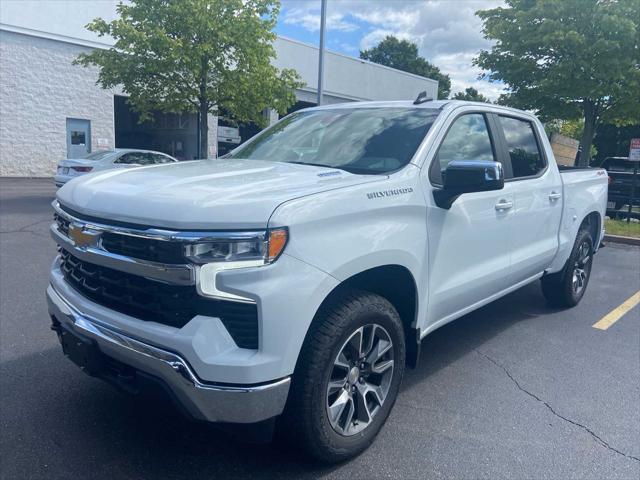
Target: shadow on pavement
point(456, 339)
point(89, 424)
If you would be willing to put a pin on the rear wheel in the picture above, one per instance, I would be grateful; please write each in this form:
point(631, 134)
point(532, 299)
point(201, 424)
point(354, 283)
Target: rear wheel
point(347, 378)
point(566, 288)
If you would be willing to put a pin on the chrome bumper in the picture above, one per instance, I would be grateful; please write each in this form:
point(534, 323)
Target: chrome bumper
point(203, 401)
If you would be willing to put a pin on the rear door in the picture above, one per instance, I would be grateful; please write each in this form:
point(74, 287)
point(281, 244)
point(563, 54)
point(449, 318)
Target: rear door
point(469, 243)
point(537, 187)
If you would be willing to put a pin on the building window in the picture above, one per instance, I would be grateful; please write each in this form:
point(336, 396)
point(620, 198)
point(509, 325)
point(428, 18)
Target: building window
point(78, 138)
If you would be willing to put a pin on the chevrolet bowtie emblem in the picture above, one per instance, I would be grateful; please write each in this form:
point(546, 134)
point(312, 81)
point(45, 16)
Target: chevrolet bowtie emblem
point(82, 237)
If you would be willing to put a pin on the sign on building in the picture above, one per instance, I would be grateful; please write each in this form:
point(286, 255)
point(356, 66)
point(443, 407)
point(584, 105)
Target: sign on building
point(634, 150)
point(228, 134)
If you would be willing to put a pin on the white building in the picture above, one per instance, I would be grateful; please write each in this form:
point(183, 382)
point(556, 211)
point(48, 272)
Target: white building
point(51, 109)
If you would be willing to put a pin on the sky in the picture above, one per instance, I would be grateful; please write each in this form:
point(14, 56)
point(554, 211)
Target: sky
point(447, 32)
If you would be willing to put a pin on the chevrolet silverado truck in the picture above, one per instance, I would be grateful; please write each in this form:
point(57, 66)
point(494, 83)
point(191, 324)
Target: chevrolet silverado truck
point(291, 282)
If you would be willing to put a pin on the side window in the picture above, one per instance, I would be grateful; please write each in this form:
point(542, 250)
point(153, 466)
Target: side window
point(132, 158)
point(157, 158)
point(526, 159)
point(467, 139)
point(147, 159)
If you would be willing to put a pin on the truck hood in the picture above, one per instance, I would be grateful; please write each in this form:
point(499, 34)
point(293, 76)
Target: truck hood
point(204, 194)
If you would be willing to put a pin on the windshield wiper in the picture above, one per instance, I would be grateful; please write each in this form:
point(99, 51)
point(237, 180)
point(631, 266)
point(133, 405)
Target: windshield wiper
point(354, 170)
point(315, 165)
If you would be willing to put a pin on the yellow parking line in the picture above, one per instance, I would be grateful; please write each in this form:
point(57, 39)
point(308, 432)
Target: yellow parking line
point(616, 314)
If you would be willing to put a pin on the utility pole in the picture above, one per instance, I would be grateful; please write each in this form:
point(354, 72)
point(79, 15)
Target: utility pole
point(323, 22)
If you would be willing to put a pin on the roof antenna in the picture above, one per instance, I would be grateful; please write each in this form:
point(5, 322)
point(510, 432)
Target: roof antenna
point(422, 97)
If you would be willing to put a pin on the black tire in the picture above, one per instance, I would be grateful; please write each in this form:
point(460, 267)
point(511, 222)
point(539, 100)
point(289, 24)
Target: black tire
point(306, 419)
point(560, 289)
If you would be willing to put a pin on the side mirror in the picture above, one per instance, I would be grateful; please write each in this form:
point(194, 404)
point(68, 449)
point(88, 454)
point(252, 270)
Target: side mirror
point(467, 177)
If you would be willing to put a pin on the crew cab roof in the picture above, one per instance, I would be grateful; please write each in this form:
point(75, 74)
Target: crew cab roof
point(432, 104)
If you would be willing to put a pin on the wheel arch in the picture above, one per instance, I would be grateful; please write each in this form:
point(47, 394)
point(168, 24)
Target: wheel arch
point(592, 222)
point(394, 283)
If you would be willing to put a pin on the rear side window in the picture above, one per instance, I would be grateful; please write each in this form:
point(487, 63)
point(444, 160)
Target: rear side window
point(133, 158)
point(157, 158)
point(467, 139)
point(524, 151)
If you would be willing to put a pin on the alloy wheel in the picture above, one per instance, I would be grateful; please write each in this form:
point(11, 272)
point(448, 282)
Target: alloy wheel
point(581, 268)
point(360, 379)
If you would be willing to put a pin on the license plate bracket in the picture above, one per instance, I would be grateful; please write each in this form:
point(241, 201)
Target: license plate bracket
point(81, 350)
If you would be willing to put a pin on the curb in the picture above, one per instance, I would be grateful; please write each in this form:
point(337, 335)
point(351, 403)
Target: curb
point(620, 239)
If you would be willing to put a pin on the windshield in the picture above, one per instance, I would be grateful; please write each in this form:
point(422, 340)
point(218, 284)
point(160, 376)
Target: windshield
point(358, 140)
point(99, 155)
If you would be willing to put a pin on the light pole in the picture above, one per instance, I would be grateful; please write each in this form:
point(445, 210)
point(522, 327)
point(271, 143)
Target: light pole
point(323, 22)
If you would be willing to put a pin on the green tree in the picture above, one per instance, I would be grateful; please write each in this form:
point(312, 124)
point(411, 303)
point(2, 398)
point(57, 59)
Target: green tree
point(472, 95)
point(613, 141)
point(568, 128)
point(403, 55)
point(567, 59)
point(202, 56)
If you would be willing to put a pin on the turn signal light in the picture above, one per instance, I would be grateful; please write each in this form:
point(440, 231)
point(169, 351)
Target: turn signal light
point(277, 241)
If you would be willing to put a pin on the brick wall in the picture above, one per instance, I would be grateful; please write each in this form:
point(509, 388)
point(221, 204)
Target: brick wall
point(39, 90)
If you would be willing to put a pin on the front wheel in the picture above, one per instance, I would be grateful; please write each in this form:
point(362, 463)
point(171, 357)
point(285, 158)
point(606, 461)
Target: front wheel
point(566, 288)
point(347, 378)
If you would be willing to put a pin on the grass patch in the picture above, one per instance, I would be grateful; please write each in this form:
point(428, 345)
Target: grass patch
point(621, 227)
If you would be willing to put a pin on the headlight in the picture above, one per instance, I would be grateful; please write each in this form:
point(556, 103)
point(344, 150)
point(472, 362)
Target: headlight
point(233, 251)
point(257, 248)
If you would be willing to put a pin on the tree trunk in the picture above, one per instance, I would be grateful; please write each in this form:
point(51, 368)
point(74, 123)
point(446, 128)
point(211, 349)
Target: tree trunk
point(587, 134)
point(204, 129)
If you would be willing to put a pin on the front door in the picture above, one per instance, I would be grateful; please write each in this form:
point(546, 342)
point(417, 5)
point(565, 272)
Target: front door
point(469, 243)
point(78, 138)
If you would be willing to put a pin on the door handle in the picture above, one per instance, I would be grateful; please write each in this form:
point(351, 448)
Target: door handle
point(553, 196)
point(503, 205)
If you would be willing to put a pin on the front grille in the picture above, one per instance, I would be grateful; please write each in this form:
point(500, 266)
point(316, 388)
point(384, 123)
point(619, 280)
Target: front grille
point(149, 300)
point(63, 223)
point(160, 251)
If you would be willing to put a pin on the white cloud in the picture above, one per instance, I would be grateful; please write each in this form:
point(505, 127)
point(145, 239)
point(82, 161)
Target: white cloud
point(311, 21)
point(373, 37)
point(390, 17)
point(464, 74)
point(447, 32)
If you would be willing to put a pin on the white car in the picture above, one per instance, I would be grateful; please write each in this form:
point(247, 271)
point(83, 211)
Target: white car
point(70, 168)
point(298, 275)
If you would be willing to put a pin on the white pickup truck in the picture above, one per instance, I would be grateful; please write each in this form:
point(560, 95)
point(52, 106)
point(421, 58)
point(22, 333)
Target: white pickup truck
point(296, 277)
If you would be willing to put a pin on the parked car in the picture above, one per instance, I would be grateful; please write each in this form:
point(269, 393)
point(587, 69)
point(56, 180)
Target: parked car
point(620, 171)
point(107, 159)
point(297, 276)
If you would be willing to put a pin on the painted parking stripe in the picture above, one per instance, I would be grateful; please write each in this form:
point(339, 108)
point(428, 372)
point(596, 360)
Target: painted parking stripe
point(617, 313)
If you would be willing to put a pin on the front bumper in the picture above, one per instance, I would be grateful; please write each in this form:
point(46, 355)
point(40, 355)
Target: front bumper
point(203, 401)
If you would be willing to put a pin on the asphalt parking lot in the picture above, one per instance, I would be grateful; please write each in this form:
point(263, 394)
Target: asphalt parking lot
point(514, 390)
